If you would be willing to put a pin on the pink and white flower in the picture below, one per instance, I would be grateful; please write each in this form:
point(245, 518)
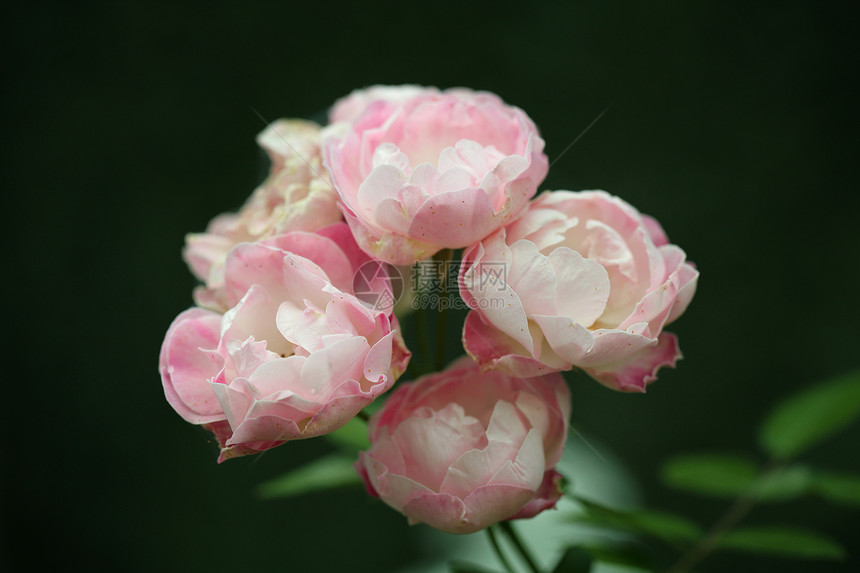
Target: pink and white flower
point(436, 170)
point(296, 196)
point(296, 355)
point(463, 449)
point(351, 106)
point(589, 283)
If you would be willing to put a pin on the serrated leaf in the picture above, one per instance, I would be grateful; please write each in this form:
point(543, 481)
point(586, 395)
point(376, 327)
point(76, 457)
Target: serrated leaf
point(719, 475)
point(574, 560)
point(352, 436)
point(329, 472)
point(841, 489)
point(784, 484)
point(783, 542)
point(669, 527)
point(809, 417)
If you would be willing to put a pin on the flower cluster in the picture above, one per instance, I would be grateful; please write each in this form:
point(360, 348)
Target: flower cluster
point(282, 343)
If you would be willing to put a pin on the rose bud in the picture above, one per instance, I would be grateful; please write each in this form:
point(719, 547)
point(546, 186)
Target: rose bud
point(461, 450)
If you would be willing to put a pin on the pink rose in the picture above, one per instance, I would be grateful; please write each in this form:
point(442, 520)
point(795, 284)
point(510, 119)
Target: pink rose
point(586, 281)
point(461, 450)
point(295, 356)
point(437, 170)
point(296, 196)
point(351, 106)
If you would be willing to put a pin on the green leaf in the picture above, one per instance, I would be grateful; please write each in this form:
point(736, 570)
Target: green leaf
point(783, 542)
point(574, 560)
point(807, 418)
point(784, 484)
point(627, 555)
point(352, 436)
point(665, 526)
point(729, 476)
point(710, 474)
point(841, 489)
point(466, 567)
point(333, 471)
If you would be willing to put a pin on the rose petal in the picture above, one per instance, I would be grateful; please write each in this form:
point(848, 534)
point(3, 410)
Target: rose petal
point(640, 369)
point(186, 367)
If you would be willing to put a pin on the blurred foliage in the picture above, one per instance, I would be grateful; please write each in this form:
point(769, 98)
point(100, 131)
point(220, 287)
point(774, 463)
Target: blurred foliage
point(332, 471)
point(782, 541)
point(811, 416)
point(793, 426)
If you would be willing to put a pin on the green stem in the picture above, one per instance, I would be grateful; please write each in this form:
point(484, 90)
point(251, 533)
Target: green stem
point(423, 341)
point(444, 257)
point(440, 340)
point(491, 533)
point(509, 530)
point(733, 515)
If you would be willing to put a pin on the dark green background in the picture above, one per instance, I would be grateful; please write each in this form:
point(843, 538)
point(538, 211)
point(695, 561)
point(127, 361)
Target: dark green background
point(127, 125)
